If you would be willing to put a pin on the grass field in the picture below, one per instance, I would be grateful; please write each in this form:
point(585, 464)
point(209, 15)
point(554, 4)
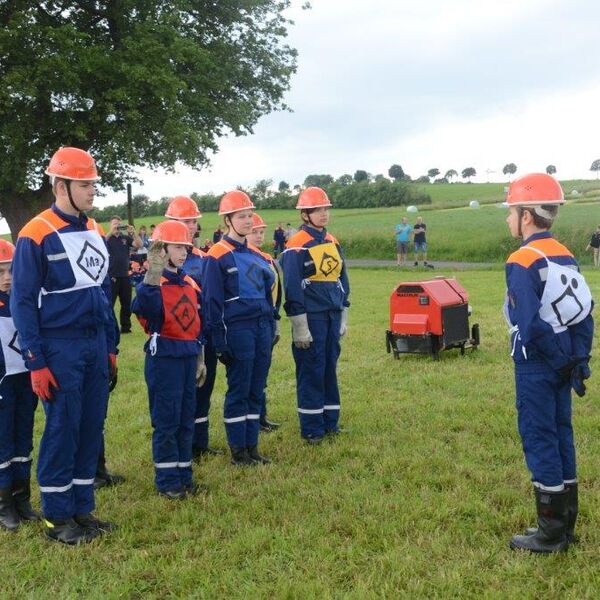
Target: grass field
point(418, 500)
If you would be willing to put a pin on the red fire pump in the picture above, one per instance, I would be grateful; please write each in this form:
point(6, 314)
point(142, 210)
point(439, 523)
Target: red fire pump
point(429, 316)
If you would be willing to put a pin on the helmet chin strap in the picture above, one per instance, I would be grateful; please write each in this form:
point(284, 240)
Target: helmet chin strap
point(68, 186)
point(232, 227)
point(307, 213)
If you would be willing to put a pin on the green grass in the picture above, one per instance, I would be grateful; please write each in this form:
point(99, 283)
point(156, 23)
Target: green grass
point(418, 500)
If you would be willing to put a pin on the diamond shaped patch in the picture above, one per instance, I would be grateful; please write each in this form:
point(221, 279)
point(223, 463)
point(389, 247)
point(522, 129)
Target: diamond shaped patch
point(184, 312)
point(328, 264)
point(91, 261)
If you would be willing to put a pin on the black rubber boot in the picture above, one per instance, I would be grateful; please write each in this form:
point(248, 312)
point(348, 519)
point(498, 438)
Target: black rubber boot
point(572, 510)
point(90, 522)
point(267, 426)
point(241, 458)
point(69, 532)
point(9, 517)
point(104, 478)
point(256, 457)
point(21, 491)
point(551, 534)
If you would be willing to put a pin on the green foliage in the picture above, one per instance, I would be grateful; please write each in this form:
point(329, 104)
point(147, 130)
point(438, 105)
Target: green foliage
point(596, 166)
point(432, 173)
point(318, 181)
point(396, 172)
point(468, 173)
point(550, 169)
point(361, 175)
point(509, 169)
point(451, 174)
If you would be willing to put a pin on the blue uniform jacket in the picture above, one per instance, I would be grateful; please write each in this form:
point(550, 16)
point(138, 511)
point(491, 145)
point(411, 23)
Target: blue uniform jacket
point(194, 265)
point(303, 294)
point(525, 287)
point(81, 309)
point(148, 306)
point(237, 288)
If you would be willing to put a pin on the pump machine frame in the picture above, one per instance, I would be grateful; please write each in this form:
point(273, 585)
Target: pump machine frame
point(427, 317)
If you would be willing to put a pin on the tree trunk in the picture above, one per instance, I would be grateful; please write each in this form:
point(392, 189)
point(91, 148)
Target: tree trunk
point(20, 207)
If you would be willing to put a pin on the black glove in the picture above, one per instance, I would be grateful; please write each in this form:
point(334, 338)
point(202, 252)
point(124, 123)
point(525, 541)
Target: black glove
point(579, 374)
point(224, 356)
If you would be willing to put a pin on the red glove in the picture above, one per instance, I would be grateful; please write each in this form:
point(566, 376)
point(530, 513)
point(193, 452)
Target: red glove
point(41, 380)
point(112, 362)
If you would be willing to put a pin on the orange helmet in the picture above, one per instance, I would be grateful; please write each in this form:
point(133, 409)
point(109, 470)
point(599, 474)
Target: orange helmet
point(183, 207)
point(312, 197)
point(257, 221)
point(234, 202)
point(7, 251)
point(171, 232)
point(73, 163)
point(535, 189)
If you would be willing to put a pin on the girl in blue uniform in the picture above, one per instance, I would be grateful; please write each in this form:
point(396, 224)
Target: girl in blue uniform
point(316, 302)
point(239, 318)
point(17, 408)
point(167, 305)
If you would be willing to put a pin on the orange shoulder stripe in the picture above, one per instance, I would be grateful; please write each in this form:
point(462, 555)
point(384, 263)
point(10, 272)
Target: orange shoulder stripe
point(198, 252)
point(93, 224)
point(37, 229)
point(219, 249)
point(299, 239)
point(549, 246)
point(191, 282)
point(330, 238)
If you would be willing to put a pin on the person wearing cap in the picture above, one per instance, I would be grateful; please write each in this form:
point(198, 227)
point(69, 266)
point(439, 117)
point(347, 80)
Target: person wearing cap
point(316, 301)
point(185, 210)
point(240, 320)
point(60, 302)
point(548, 310)
point(167, 305)
point(257, 238)
point(17, 409)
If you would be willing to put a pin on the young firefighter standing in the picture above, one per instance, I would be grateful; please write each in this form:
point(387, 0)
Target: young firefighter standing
point(257, 238)
point(316, 302)
point(548, 308)
point(60, 302)
point(17, 408)
point(240, 320)
point(185, 210)
point(167, 304)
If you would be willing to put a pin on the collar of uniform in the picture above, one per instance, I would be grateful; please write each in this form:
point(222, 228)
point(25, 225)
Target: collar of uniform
point(236, 245)
point(4, 297)
point(80, 220)
point(174, 277)
point(318, 235)
point(542, 235)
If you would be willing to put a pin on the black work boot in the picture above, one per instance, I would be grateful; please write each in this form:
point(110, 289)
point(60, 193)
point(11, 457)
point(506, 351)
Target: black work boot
point(267, 426)
point(69, 532)
point(91, 523)
point(551, 534)
point(21, 491)
point(104, 478)
point(9, 517)
point(572, 510)
point(256, 457)
point(241, 458)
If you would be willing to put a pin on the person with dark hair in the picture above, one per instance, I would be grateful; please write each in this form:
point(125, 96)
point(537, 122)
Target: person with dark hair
point(595, 246)
point(278, 240)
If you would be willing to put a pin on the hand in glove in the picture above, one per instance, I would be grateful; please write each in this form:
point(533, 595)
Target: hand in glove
point(41, 380)
point(276, 334)
point(112, 372)
point(344, 322)
point(200, 369)
point(300, 332)
point(157, 260)
point(581, 371)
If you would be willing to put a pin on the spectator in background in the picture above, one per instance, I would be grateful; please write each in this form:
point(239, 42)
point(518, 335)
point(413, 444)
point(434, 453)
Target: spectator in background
point(278, 240)
point(403, 231)
point(595, 245)
point(420, 242)
point(140, 254)
point(217, 234)
point(119, 240)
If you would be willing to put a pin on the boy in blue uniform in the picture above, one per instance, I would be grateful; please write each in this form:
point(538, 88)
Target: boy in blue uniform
point(167, 304)
point(240, 318)
point(185, 210)
point(548, 308)
point(60, 302)
point(17, 408)
point(316, 302)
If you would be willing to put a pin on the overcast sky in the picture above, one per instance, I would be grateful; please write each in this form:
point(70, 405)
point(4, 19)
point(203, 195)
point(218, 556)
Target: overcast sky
point(423, 84)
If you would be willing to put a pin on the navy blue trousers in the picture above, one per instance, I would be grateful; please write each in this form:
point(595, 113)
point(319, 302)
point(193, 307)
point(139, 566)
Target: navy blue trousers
point(17, 409)
point(203, 395)
point(544, 420)
point(317, 390)
point(172, 397)
point(246, 380)
point(70, 444)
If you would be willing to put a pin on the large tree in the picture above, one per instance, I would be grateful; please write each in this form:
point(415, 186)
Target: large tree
point(137, 83)
point(550, 169)
point(596, 167)
point(450, 174)
point(396, 172)
point(468, 173)
point(509, 169)
point(432, 173)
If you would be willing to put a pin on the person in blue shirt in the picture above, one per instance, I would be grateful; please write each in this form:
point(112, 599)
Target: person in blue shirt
point(60, 302)
point(548, 309)
point(17, 409)
point(403, 232)
point(316, 301)
point(240, 320)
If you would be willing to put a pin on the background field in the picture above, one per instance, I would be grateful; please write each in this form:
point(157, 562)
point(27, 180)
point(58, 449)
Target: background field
point(418, 500)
